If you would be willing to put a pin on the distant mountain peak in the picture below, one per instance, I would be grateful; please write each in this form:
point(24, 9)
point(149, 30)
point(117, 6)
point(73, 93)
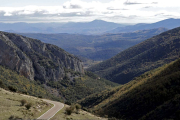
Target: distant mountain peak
point(97, 20)
point(101, 21)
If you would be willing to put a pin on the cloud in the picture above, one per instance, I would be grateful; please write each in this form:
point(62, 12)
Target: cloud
point(122, 11)
point(72, 7)
point(131, 3)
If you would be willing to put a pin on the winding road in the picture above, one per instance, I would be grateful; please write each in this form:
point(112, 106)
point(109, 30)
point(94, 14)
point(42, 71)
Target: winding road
point(50, 113)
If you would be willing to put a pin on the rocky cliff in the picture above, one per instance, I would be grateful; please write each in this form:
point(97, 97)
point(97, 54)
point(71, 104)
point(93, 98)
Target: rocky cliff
point(36, 60)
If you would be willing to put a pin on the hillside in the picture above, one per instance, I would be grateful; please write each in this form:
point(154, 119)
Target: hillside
point(99, 47)
point(47, 66)
point(12, 81)
point(12, 108)
point(36, 60)
point(168, 23)
point(145, 56)
point(153, 95)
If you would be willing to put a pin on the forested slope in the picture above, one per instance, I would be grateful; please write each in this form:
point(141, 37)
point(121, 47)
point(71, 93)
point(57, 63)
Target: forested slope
point(140, 58)
point(153, 95)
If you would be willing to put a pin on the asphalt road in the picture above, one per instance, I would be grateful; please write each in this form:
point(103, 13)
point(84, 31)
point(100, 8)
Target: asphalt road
point(50, 113)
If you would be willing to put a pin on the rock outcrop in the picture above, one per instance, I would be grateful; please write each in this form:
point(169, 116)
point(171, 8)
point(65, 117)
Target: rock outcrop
point(36, 60)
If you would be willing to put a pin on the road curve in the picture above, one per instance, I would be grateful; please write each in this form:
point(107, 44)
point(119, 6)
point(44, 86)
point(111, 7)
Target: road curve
point(50, 113)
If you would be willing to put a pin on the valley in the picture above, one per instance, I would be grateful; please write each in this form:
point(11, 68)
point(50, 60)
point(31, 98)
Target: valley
point(57, 74)
point(96, 48)
point(145, 56)
point(93, 75)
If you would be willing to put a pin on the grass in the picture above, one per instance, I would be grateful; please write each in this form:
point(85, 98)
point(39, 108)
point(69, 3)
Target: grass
point(82, 115)
point(10, 105)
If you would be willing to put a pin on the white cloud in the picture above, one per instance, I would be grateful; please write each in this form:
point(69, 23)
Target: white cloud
point(122, 11)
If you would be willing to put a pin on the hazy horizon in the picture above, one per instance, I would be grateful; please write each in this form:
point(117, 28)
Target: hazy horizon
point(124, 11)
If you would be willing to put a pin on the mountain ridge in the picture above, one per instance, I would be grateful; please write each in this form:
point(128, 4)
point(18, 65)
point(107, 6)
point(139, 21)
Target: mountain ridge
point(167, 23)
point(140, 58)
point(93, 27)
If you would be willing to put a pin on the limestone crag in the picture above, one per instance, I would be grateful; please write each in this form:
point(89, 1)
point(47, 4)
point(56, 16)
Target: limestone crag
point(34, 59)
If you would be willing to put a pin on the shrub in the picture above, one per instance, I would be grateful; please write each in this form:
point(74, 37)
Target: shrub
point(78, 106)
point(12, 117)
point(1, 84)
point(23, 102)
point(68, 103)
point(39, 96)
point(28, 106)
point(24, 92)
point(69, 111)
point(11, 88)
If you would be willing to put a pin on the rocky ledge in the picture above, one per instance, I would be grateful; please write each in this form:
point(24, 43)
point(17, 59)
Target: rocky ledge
point(36, 60)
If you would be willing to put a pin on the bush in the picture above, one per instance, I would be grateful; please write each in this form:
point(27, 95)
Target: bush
point(12, 117)
point(11, 88)
point(68, 103)
point(23, 102)
point(39, 96)
point(69, 111)
point(78, 106)
point(28, 106)
point(1, 84)
point(24, 92)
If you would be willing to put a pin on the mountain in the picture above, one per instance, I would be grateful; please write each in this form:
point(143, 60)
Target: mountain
point(59, 72)
point(153, 95)
point(28, 27)
point(96, 47)
point(34, 59)
point(168, 23)
point(93, 27)
point(89, 28)
point(145, 56)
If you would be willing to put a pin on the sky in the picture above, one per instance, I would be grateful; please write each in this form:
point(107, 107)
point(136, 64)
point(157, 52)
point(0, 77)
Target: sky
point(118, 11)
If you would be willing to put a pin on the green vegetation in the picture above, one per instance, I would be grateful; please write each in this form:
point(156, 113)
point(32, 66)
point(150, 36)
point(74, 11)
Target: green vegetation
point(80, 87)
point(52, 72)
point(145, 56)
point(12, 108)
point(80, 115)
point(14, 82)
point(73, 109)
point(69, 90)
point(153, 95)
point(69, 111)
point(78, 106)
